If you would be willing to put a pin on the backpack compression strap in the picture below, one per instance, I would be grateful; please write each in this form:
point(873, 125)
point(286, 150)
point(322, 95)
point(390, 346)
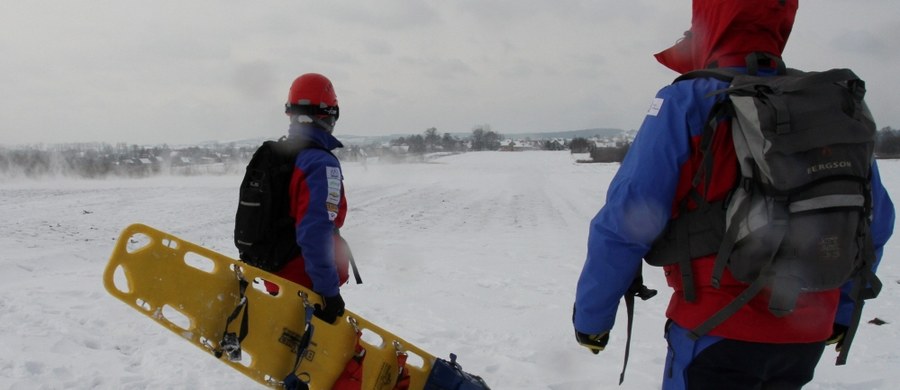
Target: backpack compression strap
point(866, 284)
point(764, 278)
point(742, 299)
point(859, 294)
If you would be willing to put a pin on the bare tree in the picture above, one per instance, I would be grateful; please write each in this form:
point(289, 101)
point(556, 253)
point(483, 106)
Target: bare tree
point(432, 139)
point(483, 138)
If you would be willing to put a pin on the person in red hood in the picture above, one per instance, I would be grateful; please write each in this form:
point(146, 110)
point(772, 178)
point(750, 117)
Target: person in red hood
point(723, 33)
point(752, 349)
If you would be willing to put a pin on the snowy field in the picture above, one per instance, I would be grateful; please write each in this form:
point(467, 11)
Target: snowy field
point(476, 254)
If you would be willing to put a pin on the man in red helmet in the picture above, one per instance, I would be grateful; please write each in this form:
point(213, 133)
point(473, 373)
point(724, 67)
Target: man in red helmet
point(317, 197)
point(753, 348)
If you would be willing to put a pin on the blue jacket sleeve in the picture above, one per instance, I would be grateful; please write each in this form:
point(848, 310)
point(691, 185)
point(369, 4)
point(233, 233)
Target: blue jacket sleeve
point(638, 205)
point(882, 228)
point(315, 227)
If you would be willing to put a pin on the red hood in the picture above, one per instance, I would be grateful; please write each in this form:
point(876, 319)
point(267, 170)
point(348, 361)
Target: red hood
point(725, 31)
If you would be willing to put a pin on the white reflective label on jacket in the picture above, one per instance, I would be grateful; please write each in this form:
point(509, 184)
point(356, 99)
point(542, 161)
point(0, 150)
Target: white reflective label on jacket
point(333, 175)
point(655, 106)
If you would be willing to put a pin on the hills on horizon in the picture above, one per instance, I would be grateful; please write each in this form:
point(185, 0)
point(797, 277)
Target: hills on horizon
point(353, 139)
point(567, 134)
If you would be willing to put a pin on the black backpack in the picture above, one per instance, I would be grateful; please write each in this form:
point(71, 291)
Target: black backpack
point(798, 219)
point(264, 231)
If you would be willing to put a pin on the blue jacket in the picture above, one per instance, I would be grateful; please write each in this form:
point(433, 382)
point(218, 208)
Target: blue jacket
point(319, 207)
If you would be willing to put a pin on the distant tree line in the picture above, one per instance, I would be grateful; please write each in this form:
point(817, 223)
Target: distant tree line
point(482, 138)
point(428, 142)
point(887, 145)
point(102, 160)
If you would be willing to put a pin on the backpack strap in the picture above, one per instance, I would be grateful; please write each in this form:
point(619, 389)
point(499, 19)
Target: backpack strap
point(762, 280)
point(866, 284)
point(637, 289)
point(754, 59)
point(731, 234)
point(742, 299)
point(703, 207)
point(629, 310)
point(722, 74)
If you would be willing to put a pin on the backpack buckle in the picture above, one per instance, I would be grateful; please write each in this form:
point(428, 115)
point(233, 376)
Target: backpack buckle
point(746, 184)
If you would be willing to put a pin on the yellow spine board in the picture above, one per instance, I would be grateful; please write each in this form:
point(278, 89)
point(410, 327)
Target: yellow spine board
point(192, 290)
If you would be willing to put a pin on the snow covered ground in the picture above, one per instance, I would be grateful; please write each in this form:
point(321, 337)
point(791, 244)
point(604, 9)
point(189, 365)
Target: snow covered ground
point(476, 254)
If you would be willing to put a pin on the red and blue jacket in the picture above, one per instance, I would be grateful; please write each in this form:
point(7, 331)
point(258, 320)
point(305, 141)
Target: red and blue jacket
point(319, 207)
point(645, 193)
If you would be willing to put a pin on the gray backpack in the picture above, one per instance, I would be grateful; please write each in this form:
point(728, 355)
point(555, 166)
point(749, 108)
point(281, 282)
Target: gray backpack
point(798, 219)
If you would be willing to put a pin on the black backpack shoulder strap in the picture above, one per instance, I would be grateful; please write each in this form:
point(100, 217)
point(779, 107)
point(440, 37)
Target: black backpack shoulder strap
point(294, 146)
point(708, 213)
point(715, 73)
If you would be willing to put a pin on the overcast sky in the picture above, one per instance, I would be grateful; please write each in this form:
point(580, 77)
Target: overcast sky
point(179, 72)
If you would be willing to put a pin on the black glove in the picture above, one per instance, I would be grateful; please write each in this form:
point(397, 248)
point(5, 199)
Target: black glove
point(594, 342)
point(333, 308)
point(837, 336)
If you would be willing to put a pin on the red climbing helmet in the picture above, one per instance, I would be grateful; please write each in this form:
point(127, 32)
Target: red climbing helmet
point(313, 95)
